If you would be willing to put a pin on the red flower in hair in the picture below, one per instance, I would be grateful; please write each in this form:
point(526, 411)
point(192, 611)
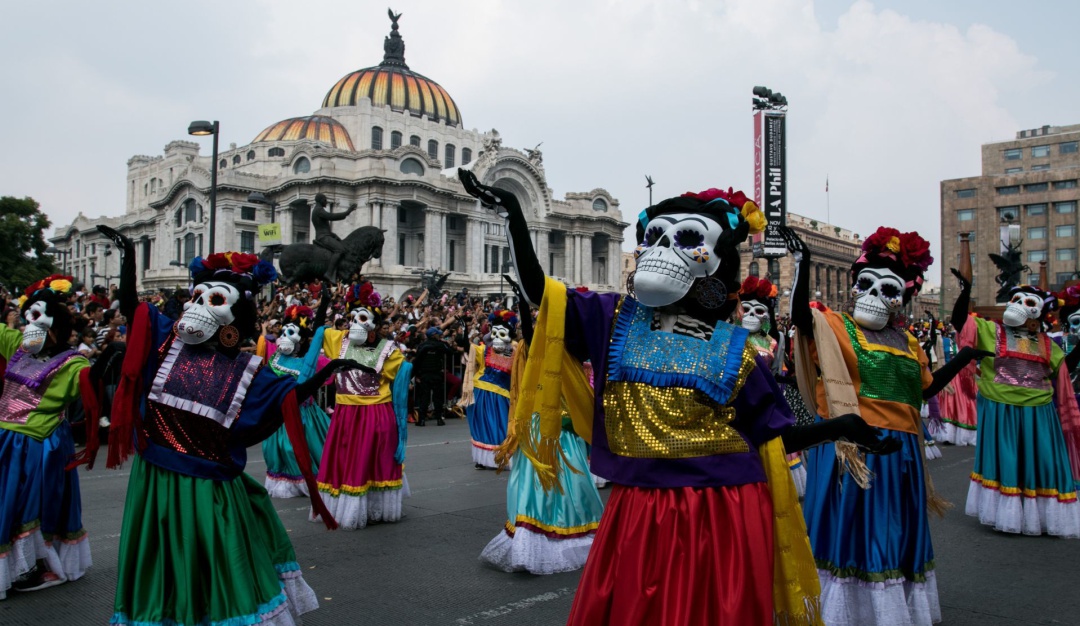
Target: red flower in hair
point(737, 198)
point(914, 250)
point(707, 195)
point(879, 241)
point(754, 288)
point(216, 261)
point(243, 263)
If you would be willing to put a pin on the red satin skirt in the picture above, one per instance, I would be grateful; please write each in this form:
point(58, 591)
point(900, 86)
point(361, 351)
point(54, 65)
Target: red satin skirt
point(680, 557)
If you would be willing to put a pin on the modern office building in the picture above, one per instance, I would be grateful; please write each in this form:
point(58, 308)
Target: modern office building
point(1030, 183)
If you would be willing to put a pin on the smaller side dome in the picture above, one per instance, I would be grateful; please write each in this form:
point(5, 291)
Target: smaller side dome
point(318, 128)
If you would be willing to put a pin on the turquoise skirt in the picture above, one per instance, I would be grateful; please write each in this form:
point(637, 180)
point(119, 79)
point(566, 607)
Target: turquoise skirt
point(283, 477)
point(1022, 481)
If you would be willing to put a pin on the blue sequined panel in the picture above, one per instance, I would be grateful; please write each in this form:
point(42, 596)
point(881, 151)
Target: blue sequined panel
point(642, 355)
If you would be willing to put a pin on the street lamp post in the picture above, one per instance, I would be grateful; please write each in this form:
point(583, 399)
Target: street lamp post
point(201, 128)
point(53, 250)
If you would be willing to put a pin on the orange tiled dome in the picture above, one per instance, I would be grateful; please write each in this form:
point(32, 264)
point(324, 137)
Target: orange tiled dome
point(314, 127)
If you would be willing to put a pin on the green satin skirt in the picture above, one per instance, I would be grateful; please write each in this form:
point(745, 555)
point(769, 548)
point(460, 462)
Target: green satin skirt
point(200, 551)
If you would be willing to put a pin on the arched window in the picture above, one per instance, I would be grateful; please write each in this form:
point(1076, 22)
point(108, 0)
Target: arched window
point(179, 217)
point(433, 149)
point(376, 138)
point(251, 155)
point(302, 166)
point(599, 204)
point(774, 270)
point(276, 152)
point(412, 166)
point(466, 156)
point(236, 160)
point(414, 140)
point(222, 164)
point(395, 139)
point(754, 269)
point(449, 151)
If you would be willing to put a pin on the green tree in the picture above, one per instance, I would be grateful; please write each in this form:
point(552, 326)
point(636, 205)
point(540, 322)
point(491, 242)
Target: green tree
point(22, 243)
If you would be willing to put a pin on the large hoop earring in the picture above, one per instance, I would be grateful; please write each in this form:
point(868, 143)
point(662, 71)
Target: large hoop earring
point(630, 284)
point(711, 293)
point(228, 336)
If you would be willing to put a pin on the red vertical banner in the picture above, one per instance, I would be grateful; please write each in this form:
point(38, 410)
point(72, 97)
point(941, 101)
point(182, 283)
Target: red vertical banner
point(757, 242)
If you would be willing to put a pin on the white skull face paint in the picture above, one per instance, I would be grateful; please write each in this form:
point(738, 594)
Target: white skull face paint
point(1074, 324)
point(363, 322)
point(754, 315)
point(290, 339)
point(879, 293)
point(1023, 306)
point(209, 309)
point(678, 248)
point(37, 331)
point(501, 341)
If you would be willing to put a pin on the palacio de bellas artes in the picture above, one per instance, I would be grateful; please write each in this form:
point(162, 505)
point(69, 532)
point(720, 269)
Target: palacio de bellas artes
point(386, 139)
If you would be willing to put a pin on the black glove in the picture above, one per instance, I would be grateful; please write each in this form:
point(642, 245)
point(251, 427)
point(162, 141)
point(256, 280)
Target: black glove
point(795, 244)
point(308, 388)
point(965, 284)
point(501, 200)
point(848, 427)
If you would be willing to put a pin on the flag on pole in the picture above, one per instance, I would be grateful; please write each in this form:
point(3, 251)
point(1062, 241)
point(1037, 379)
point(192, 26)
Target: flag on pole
point(826, 184)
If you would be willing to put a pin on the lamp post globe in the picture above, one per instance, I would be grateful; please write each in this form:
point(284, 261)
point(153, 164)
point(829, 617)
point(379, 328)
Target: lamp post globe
point(201, 128)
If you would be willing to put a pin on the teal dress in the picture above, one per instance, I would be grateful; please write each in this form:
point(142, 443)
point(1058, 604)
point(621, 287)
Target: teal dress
point(283, 478)
point(547, 532)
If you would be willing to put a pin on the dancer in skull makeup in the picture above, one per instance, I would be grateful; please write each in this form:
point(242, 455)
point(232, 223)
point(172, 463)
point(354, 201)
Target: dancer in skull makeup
point(296, 353)
point(42, 540)
point(547, 531)
point(1027, 460)
point(490, 370)
point(361, 476)
point(684, 420)
point(756, 315)
point(872, 545)
point(200, 541)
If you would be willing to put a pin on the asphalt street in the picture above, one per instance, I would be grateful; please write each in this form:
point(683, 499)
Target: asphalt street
point(424, 570)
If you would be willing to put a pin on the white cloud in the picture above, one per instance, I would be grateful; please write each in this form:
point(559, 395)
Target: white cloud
point(883, 104)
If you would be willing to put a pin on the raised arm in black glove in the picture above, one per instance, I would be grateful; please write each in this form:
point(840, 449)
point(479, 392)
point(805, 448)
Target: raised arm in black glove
point(129, 295)
point(963, 302)
point(517, 230)
point(947, 372)
point(800, 313)
point(308, 388)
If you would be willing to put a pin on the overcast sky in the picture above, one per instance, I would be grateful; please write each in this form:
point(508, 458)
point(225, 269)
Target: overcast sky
point(886, 98)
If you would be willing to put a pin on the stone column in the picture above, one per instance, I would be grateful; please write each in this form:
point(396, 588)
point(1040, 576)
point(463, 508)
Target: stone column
point(542, 249)
point(373, 217)
point(474, 246)
point(285, 218)
point(572, 258)
point(614, 263)
point(388, 217)
point(586, 255)
point(432, 239)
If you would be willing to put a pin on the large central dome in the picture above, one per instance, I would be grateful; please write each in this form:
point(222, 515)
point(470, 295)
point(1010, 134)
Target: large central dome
point(391, 83)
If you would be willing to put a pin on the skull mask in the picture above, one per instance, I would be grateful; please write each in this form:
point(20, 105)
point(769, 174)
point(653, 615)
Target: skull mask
point(879, 293)
point(363, 322)
point(289, 341)
point(501, 341)
point(1074, 324)
point(209, 309)
point(37, 332)
point(1022, 307)
point(755, 315)
point(678, 248)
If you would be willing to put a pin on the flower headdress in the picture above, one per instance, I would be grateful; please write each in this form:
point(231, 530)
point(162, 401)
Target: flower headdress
point(906, 254)
point(1069, 298)
point(299, 314)
point(754, 288)
point(504, 317)
point(239, 268)
point(57, 284)
point(364, 294)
